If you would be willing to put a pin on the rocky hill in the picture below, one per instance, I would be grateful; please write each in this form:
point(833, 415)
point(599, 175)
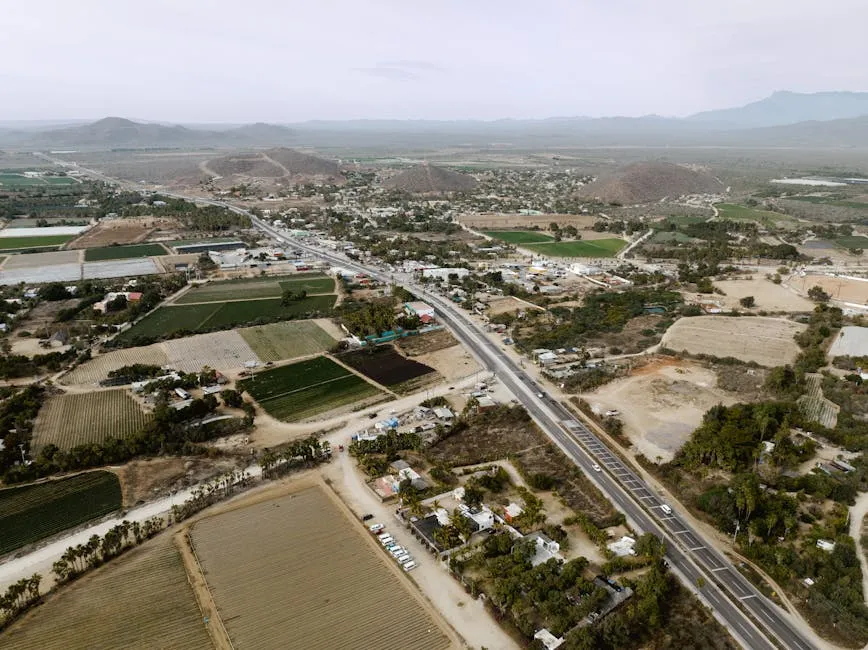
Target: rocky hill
point(287, 166)
point(645, 182)
point(427, 179)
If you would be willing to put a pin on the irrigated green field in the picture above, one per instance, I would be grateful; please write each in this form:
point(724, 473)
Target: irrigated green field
point(19, 243)
point(286, 340)
point(272, 287)
point(519, 236)
point(86, 418)
point(737, 212)
point(853, 241)
point(306, 388)
point(12, 180)
point(591, 248)
point(123, 252)
point(32, 512)
point(169, 320)
point(141, 601)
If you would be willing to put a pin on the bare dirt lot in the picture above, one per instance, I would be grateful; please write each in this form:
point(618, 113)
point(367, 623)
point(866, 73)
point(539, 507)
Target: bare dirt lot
point(840, 288)
point(452, 363)
point(413, 346)
point(36, 260)
point(120, 231)
point(495, 221)
point(508, 305)
point(767, 341)
point(768, 295)
point(315, 581)
point(661, 404)
point(156, 477)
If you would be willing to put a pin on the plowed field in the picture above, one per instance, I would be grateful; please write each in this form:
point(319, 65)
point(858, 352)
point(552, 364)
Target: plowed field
point(77, 419)
point(142, 600)
point(313, 581)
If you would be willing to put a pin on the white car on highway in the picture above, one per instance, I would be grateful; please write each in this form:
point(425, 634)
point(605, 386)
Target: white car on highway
point(597, 468)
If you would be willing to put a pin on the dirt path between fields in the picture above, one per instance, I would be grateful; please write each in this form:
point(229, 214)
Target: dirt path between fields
point(213, 623)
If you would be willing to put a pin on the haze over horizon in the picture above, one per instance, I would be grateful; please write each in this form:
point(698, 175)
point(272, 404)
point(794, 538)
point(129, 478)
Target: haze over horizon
point(212, 61)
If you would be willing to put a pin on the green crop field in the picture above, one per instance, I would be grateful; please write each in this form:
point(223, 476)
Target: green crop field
point(19, 243)
point(519, 236)
point(286, 340)
point(853, 241)
point(306, 388)
point(769, 219)
point(269, 287)
point(168, 320)
point(32, 512)
point(123, 252)
point(87, 418)
point(11, 180)
point(580, 248)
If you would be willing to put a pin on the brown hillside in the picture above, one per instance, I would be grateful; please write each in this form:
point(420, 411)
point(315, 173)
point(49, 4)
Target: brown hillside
point(288, 165)
point(651, 181)
point(426, 179)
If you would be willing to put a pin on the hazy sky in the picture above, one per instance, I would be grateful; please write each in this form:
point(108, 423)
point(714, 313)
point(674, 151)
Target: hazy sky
point(292, 60)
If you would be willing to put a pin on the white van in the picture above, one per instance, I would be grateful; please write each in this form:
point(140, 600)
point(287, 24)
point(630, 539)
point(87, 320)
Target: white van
point(666, 509)
point(402, 557)
point(385, 540)
point(409, 566)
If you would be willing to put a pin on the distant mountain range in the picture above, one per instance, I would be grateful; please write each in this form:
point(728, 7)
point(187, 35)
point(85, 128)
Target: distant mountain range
point(117, 132)
point(784, 119)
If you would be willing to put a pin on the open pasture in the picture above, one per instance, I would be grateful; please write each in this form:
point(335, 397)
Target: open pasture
point(271, 287)
point(123, 252)
point(314, 581)
point(32, 512)
point(385, 366)
point(169, 320)
point(286, 340)
point(141, 601)
point(767, 341)
point(86, 418)
point(579, 248)
point(307, 388)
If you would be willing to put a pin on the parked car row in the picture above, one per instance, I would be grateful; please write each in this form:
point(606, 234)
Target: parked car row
point(402, 555)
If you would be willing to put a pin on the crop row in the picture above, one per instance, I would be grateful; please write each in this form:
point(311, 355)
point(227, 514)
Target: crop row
point(279, 381)
point(76, 419)
point(33, 512)
point(330, 394)
point(145, 601)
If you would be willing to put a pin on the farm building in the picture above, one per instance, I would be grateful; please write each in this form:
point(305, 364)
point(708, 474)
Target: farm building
point(204, 247)
point(419, 309)
point(131, 296)
point(443, 414)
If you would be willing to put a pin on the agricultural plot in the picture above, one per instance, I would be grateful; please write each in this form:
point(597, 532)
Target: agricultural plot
point(259, 288)
point(286, 340)
point(14, 181)
point(26, 243)
point(169, 320)
point(519, 236)
point(767, 341)
point(98, 368)
point(385, 366)
point(219, 350)
point(841, 288)
point(853, 241)
point(123, 252)
point(142, 601)
point(87, 418)
point(594, 248)
point(313, 583)
point(735, 212)
point(32, 512)
point(38, 260)
point(118, 269)
point(307, 388)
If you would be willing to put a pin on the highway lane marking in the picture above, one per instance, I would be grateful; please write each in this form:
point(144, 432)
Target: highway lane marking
point(748, 596)
point(720, 568)
point(667, 518)
point(681, 532)
point(697, 548)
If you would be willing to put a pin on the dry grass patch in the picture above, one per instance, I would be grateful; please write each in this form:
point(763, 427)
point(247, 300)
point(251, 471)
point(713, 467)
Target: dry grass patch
point(120, 231)
point(767, 341)
point(313, 581)
point(141, 601)
point(98, 368)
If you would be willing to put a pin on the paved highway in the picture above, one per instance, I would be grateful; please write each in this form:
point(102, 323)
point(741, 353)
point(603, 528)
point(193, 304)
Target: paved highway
point(726, 590)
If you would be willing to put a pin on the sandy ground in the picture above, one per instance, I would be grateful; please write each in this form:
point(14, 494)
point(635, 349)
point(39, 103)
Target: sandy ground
point(768, 341)
point(858, 527)
point(768, 295)
point(661, 404)
point(36, 260)
point(453, 363)
point(843, 289)
point(30, 347)
point(496, 221)
point(508, 305)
